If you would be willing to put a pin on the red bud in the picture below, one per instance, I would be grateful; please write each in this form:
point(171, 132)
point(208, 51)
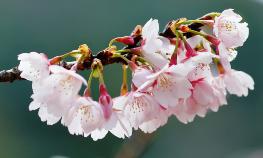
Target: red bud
point(55, 60)
point(106, 101)
point(213, 40)
point(128, 40)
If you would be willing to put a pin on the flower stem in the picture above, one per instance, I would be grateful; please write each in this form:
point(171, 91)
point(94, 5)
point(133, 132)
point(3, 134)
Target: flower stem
point(197, 33)
point(124, 86)
point(75, 52)
point(212, 39)
point(174, 55)
point(111, 42)
point(123, 51)
point(121, 56)
point(101, 79)
point(196, 21)
point(90, 79)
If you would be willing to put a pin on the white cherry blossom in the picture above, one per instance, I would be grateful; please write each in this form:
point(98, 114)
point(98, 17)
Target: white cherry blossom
point(34, 66)
point(83, 117)
point(57, 92)
point(158, 120)
point(155, 48)
point(238, 82)
point(229, 29)
point(138, 108)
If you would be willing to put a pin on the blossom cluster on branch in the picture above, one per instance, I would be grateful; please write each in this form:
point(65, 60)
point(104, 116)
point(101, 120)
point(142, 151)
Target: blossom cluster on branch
point(184, 71)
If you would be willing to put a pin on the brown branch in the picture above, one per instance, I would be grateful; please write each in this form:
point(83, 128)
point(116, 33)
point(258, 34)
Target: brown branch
point(105, 56)
point(10, 75)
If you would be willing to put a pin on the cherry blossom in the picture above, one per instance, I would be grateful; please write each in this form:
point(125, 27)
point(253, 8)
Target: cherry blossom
point(57, 92)
point(238, 82)
point(155, 47)
point(34, 66)
point(157, 121)
point(138, 108)
point(83, 117)
point(183, 72)
point(112, 121)
point(89, 118)
point(229, 30)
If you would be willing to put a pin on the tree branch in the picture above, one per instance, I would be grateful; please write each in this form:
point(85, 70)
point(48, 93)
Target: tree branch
point(105, 56)
point(10, 75)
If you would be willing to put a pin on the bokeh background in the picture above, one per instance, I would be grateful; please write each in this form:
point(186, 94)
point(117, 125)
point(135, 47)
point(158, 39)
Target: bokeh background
point(54, 27)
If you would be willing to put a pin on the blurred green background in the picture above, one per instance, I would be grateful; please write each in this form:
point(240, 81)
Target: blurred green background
point(54, 27)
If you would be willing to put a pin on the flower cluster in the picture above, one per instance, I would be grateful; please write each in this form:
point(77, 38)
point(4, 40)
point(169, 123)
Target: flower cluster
point(184, 72)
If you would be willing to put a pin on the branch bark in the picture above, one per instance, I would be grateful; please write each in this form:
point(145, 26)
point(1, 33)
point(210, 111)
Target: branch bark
point(105, 56)
point(10, 75)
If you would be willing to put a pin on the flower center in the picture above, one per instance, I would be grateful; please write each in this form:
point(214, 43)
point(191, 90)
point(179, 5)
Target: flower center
point(228, 25)
point(164, 82)
point(66, 85)
point(86, 113)
point(138, 105)
point(35, 73)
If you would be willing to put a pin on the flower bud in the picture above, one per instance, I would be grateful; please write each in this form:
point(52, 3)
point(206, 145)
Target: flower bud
point(184, 28)
point(55, 60)
point(105, 101)
point(84, 49)
point(213, 40)
point(137, 31)
point(190, 52)
point(128, 40)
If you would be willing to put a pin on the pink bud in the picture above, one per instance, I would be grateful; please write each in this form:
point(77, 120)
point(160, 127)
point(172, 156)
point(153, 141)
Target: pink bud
point(133, 66)
point(184, 28)
point(173, 60)
point(190, 52)
point(213, 40)
point(128, 40)
point(55, 60)
point(105, 101)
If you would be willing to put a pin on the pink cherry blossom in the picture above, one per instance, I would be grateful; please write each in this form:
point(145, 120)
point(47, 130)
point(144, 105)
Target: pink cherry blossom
point(229, 30)
point(34, 66)
point(158, 120)
point(86, 117)
point(123, 127)
point(220, 93)
point(57, 92)
point(202, 92)
point(83, 117)
point(226, 54)
point(205, 96)
point(203, 54)
point(169, 84)
point(184, 82)
point(137, 108)
point(113, 121)
point(238, 82)
point(155, 47)
point(197, 104)
point(140, 76)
